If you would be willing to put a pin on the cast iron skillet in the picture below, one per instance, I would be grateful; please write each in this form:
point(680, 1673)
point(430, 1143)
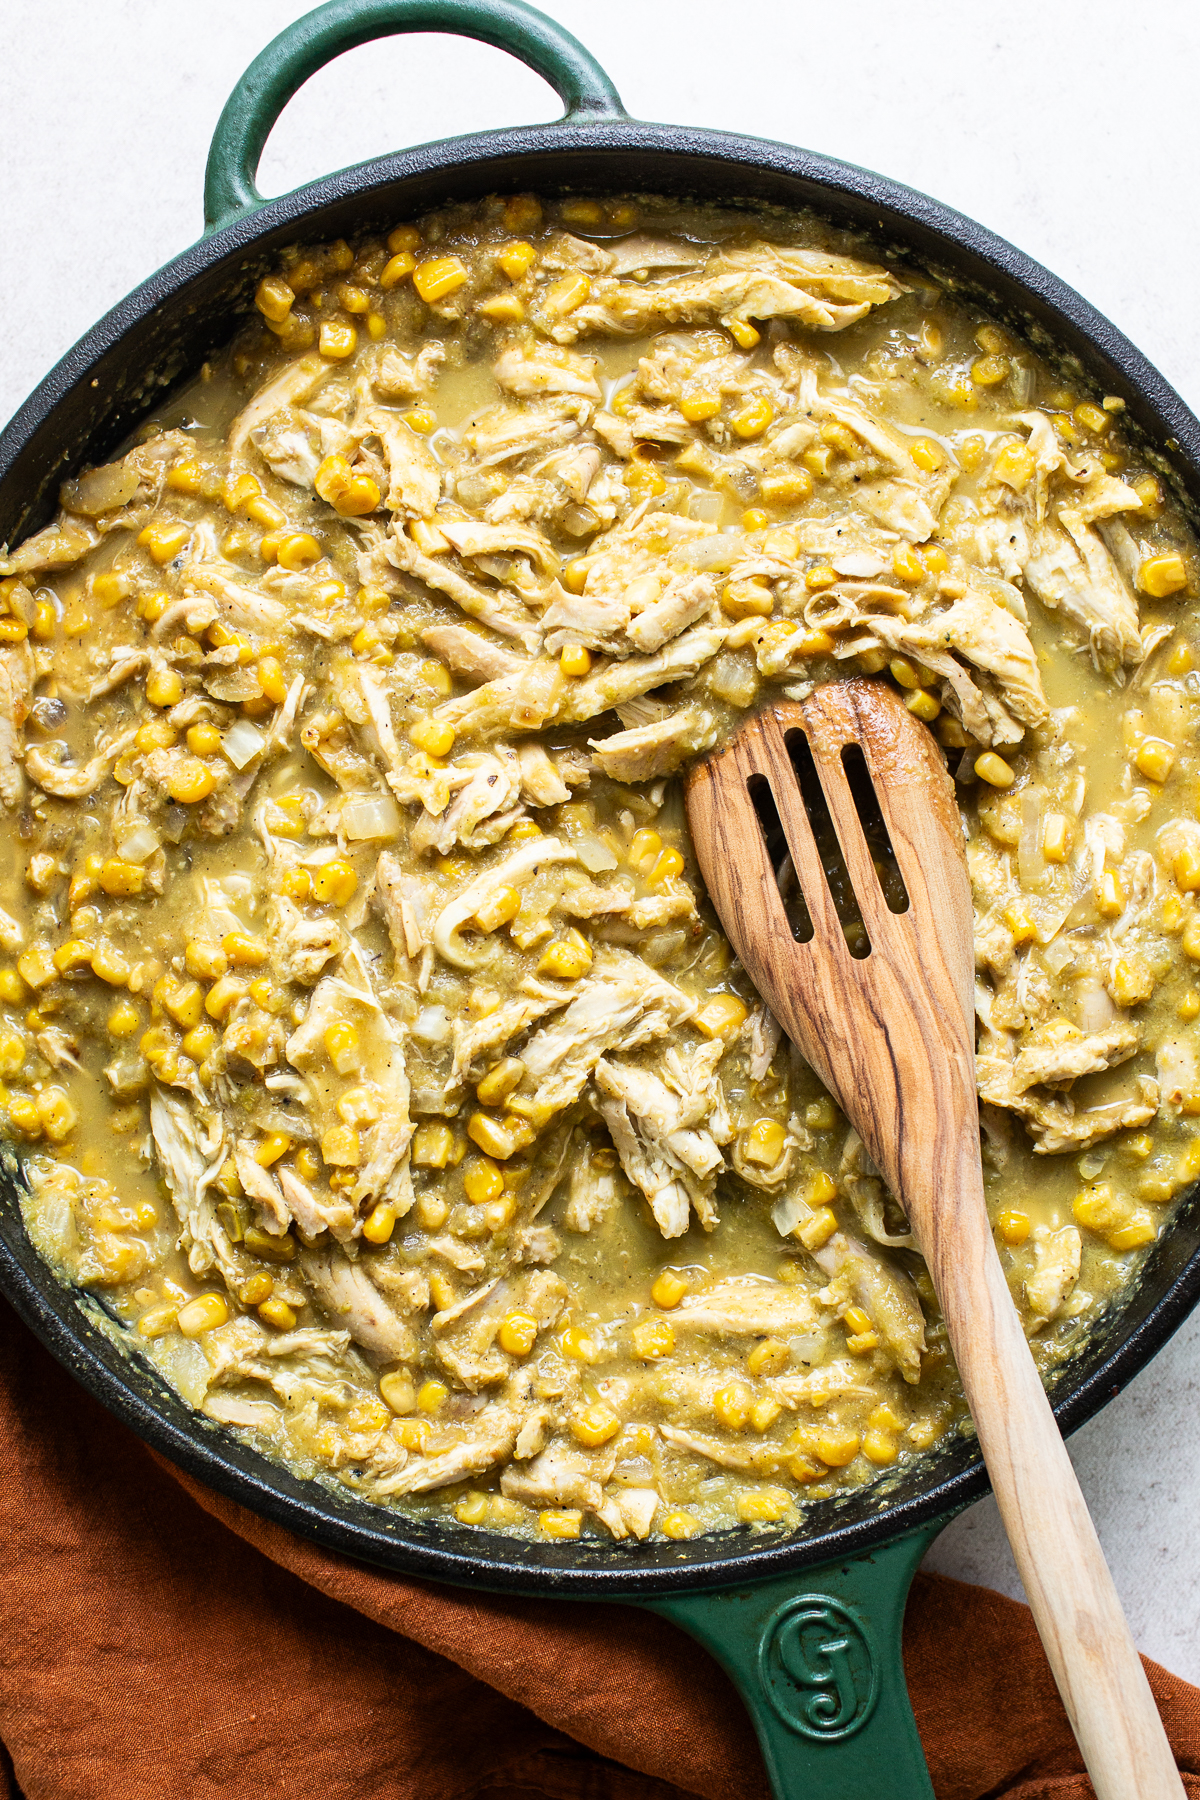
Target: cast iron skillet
point(809, 1626)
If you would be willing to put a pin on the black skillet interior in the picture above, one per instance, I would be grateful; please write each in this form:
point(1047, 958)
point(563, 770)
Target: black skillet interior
point(159, 336)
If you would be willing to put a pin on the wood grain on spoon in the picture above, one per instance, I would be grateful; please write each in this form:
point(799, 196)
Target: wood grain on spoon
point(891, 1034)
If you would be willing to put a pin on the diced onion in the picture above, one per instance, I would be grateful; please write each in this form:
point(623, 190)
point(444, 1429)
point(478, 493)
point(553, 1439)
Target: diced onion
point(719, 552)
point(595, 856)
point(140, 844)
point(1031, 864)
point(1096, 1010)
point(369, 816)
point(861, 565)
point(705, 506)
point(432, 1025)
point(808, 1347)
point(100, 490)
point(1057, 955)
point(787, 1213)
point(242, 743)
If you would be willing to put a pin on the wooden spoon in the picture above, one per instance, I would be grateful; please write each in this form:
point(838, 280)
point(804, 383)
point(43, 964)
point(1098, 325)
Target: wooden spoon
point(891, 1034)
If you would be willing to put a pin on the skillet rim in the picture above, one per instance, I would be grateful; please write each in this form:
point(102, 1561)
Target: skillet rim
point(585, 154)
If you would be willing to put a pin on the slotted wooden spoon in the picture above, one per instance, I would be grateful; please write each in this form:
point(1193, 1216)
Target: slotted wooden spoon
point(891, 1034)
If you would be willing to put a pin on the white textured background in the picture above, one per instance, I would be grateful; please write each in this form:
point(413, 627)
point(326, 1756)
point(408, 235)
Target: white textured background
point(1069, 128)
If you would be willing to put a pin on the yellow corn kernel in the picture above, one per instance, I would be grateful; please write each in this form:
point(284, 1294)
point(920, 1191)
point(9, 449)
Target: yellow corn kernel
point(905, 673)
point(45, 620)
point(669, 864)
point(560, 1522)
point(433, 736)
point(1014, 1227)
point(340, 1147)
point(748, 599)
point(575, 660)
point(1014, 465)
point(341, 1046)
point(822, 576)
point(482, 1180)
point(203, 960)
point(77, 620)
point(472, 1508)
point(743, 333)
point(1190, 939)
point(724, 1014)
point(157, 1321)
point(678, 1524)
point(493, 1137)
point(57, 1115)
point(403, 237)
point(123, 1020)
point(190, 780)
point(36, 966)
point(398, 1392)
point(164, 687)
point(379, 1223)
point(1056, 839)
point(817, 1229)
point(923, 705)
point(643, 851)
point(1110, 901)
point(157, 734)
point(200, 1042)
point(786, 486)
point(1098, 1209)
point(274, 298)
point(994, 770)
point(222, 995)
point(337, 340)
point(991, 340)
point(432, 1396)
point(1133, 1236)
point(274, 1145)
point(1132, 981)
point(202, 740)
point(23, 1114)
point(731, 1404)
point(1162, 575)
point(433, 1145)
point(565, 294)
point(652, 1338)
point(244, 952)
point(164, 539)
point(698, 402)
point(440, 276)
point(517, 1334)
point(594, 1425)
point(990, 371)
point(184, 1001)
point(12, 988)
point(502, 309)
point(500, 1081)
point(1155, 758)
point(203, 1314)
point(396, 268)
point(584, 213)
point(907, 564)
point(413, 1434)
point(766, 1507)
point(764, 1413)
point(278, 1313)
point(763, 1143)
point(837, 1445)
point(568, 958)
point(1189, 1005)
point(928, 455)
point(668, 1289)
point(76, 953)
point(297, 550)
point(751, 420)
point(335, 882)
point(577, 1344)
point(880, 1447)
point(767, 1357)
point(516, 259)
point(1020, 921)
point(822, 1188)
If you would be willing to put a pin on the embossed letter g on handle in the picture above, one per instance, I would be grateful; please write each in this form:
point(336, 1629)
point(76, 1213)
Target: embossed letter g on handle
point(817, 1668)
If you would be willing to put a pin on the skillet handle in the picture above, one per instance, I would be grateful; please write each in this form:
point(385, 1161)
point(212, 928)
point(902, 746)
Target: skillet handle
point(312, 41)
point(816, 1657)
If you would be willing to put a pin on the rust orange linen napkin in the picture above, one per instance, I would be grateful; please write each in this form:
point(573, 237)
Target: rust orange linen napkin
point(157, 1640)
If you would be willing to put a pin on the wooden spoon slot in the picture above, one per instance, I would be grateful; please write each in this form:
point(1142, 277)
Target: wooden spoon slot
point(828, 845)
point(767, 813)
point(874, 827)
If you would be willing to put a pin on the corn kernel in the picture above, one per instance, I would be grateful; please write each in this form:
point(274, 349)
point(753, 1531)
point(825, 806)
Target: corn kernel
point(190, 780)
point(156, 734)
point(880, 1447)
point(907, 564)
point(1098, 1209)
point(669, 865)
point(786, 486)
point(184, 1001)
point(335, 882)
point(123, 1020)
point(164, 539)
point(1110, 901)
point(397, 1391)
point(560, 1522)
point(568, 958)
point(433, 736)
point(594, 1425)
point(1014, 1227)
point(724, 1014)
point(752, 419)
point(202, 740)
point(164, 687)
point(679, 1524)
point(278, 1313)
point(433, 1145)
point(767, 1357)
point(575, 660)
point(766, 1507)
point(341, 1046)
point(432, 1395)
point(817, 1229)
point(76, 953)
point(644, 850)
point(668, 1289)
point(500, 1081)
point(472, 1509)
point(1155, 758)
point(748, 599)
point(23, 1114)
point(379, 1223)
point(577, 1344)
point(1190, 939)
point(203, 1314)
point(1056, 837)
point(1132, 981)
point(822, 576)
point(990, 371)
point(743, 333)
point(340, 1147)
point(492, 1137)
point(764, 1143)
point(1162, 575)
point(274, 1145)
point(1014, 465)
point(928, 455)
point(516, 259)
point(565, 294)
point(923, 705)
point(1189, 1005)
point(244, 952)
point(1133, 1236)
point(764, 1413)
point(12, 988)
point(837, 1445)
point(274, 298)
point(517, 1334)
point(45, 620)
point(1150, 495)
point(731, 1404)
point(652, 1338)
point(482, 1180)
point(157, 1321)
point(994, 770)
point(438, 277)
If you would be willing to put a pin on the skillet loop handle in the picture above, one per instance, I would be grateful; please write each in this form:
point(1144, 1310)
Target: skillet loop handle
point(320, 36)
point(816, 1657)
